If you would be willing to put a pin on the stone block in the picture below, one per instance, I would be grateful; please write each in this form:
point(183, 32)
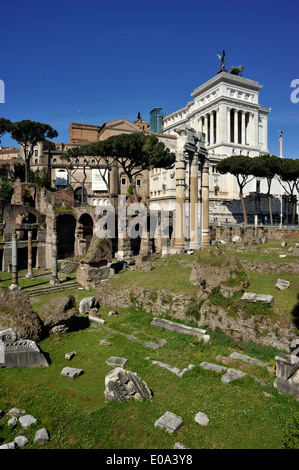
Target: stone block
point(251, 360)
point(41, 436)
point(116, 361)
point(178, 327)
point(70, 372)
point(12, 422)
point(232, 374)
point(281, 284)
point(170, 421)
point(86, 304)
point(21, 441)
point(202, 419)
point(122, 385)
point(27, 421)
point(16, 412)
point(251, 297)
point(214, 367)
point(9, 445)
point(70, 355)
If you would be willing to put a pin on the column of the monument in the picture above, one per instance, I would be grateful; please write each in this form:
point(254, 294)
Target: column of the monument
point(243, 123)
point(179, 241)
point(205, 230)
point(212, 127)
point(194, 242)
point(228, 126)
point(255, 129)
point(30, 273)
point(14, 261)
point(249, 129)
point(236, 127)
point(206, 129)
point(54, 279)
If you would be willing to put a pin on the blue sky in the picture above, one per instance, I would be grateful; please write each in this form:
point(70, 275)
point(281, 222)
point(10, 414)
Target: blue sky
point(95, 61)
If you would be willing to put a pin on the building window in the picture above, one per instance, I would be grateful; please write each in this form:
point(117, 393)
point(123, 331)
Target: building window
point(258, 187)
point(93, 162)
point(35, 161)
point(36, 153)
point(123, 181)
point(54, 161)
point(57, 148)
point(138, 182)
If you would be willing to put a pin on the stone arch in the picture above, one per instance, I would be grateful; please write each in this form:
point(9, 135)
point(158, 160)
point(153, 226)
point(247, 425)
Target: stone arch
point(87, 225)
point(65, 228)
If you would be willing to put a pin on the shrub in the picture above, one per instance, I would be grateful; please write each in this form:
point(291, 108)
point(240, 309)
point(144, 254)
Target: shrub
point(291, 436)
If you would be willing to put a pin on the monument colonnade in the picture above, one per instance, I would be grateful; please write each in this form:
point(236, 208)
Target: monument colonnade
point(230, 124)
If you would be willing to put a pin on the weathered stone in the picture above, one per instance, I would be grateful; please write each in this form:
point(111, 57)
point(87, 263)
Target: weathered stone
point(116, 361)
point(1, 414)
point(9, 445)
point(18, 352)
point(112, 313)
point(59, 312)
point(16, 412)
point(232, 374)
point(287, 374)
point(16, 313)
point(202, 419)
point(27, 421)
point(251, 297)
point(236, 239)
point(174, 370)
point(20, 441)
point(121, 385)
point(177, 445)
point(41, 436)
point(103, 342)
point(170, 421)
point(12, 422)
point(86, 304)
point(251, 360)
point(70, 355)
point(71, 372)
point(178, 327)
point(281, 284)
point(98, 320)
point(214, 367)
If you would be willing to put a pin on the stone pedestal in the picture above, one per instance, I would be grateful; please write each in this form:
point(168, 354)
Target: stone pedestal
point(287, 374)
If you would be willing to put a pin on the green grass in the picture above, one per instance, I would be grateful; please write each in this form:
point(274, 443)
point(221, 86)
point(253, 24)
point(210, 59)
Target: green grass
point(77, 414)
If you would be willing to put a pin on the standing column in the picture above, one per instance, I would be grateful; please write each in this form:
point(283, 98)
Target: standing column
point(30, 273)
point(14, 261)
point(229, 139)
point(206, 129)
point(54, 279)
point(236, 127)
point(194, 243)
point(205, 231)
point(243, 128)
point(179, 241)
point(212, 127)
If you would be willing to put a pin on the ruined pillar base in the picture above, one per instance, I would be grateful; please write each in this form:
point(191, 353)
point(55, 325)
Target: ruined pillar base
point(14, 287)
point(55, 281)
point(30, 275)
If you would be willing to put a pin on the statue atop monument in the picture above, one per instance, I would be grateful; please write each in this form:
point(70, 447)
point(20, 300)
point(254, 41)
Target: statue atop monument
point(223, 59)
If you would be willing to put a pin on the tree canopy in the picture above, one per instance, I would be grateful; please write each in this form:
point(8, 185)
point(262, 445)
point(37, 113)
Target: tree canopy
point(134, 153)
point(28, 134)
